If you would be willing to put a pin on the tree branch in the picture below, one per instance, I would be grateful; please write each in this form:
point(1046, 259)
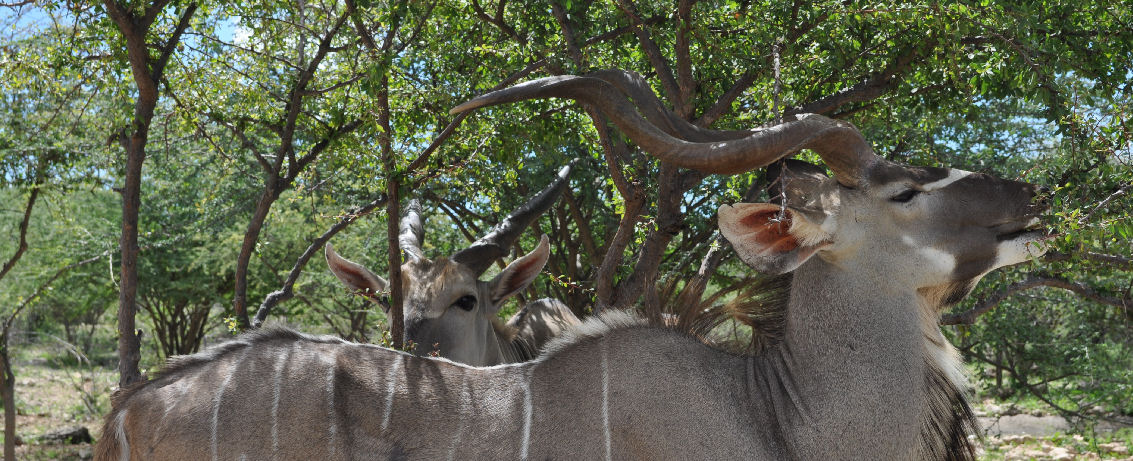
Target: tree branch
point(568, 36)
point(987, 303)
point(451, 127)
point(297, 167)
point(498, 20)
point(23, 245)
point(1120, 262)
point(869, 89)
point(660, 65)
point(584, 231)
point(286, 292)
point(685, 83)
point(665, 226)
point(1118, 193)
point(723, 105)
point(43, 286)
point(158, 69)
point(604, 277)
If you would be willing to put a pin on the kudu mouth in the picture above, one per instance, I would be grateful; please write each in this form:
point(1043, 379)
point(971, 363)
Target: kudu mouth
point(1026, 227)
point(1032, 233)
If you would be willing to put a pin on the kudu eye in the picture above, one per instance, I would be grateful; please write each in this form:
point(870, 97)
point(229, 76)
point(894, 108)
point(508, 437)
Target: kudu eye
point(905, 196)
point(466, 302)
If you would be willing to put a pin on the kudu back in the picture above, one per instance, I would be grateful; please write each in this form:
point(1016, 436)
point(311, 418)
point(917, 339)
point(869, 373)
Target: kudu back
point(449, 311)
point(861, 370)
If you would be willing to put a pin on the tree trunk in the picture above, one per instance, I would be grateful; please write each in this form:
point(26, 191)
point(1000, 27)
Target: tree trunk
point(251, 236)
point(146, 72)
point(396, 309)
point(8, 394)
point(129, 340)
point(393, 217)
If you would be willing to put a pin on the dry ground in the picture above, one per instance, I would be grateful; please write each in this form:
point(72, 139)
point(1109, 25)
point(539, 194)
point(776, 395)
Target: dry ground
point(50, 396)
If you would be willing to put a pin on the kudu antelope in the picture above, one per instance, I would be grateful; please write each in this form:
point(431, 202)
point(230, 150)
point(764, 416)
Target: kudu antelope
point(861, 370)
point(450, 311)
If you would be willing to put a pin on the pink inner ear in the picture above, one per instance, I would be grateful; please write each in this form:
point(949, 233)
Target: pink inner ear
point(355, 276)
point(521, 273)
point(768, 233)
point(357, 280)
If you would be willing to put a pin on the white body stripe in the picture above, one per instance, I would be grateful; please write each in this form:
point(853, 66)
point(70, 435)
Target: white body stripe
point(276, 390)
point(123, 444)
point(391, 389)
point(527, 413)
point(606, 397)
point(216, 402)
point(332, 431)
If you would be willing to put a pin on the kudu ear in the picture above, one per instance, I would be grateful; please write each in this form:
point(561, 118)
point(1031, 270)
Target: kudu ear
point(767, 243)
point(520, 273)
point(356, 277)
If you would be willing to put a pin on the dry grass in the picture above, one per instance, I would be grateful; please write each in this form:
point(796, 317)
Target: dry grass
point(54, 391)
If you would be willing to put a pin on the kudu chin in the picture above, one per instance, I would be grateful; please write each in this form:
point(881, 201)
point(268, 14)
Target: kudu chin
point(449, 311)
point(861, 370)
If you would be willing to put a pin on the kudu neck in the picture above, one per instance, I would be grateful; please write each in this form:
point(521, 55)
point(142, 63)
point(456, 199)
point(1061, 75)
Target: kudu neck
point(838, 304)
point(852, 355)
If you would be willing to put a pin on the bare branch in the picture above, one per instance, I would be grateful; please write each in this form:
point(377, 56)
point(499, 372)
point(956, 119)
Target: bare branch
point(1118, 193)
point(23, 245)
point(286, 292)
point(1120, 262)
point(987, 303)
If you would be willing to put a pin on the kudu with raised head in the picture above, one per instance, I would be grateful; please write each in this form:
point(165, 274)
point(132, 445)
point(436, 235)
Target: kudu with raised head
point(861, 370)
point(449, 310)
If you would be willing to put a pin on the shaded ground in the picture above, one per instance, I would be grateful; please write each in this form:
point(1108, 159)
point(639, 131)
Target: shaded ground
point(52, 395)
point(1029, 436)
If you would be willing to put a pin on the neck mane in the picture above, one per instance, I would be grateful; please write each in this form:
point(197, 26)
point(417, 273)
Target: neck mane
point(512, 348)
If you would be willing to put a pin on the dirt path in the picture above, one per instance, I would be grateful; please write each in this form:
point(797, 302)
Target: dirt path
point(1023, 424)
point(1045, 438)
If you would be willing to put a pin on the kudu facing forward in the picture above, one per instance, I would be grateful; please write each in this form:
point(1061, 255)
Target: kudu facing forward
point(861, 370)
point(448, 309)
